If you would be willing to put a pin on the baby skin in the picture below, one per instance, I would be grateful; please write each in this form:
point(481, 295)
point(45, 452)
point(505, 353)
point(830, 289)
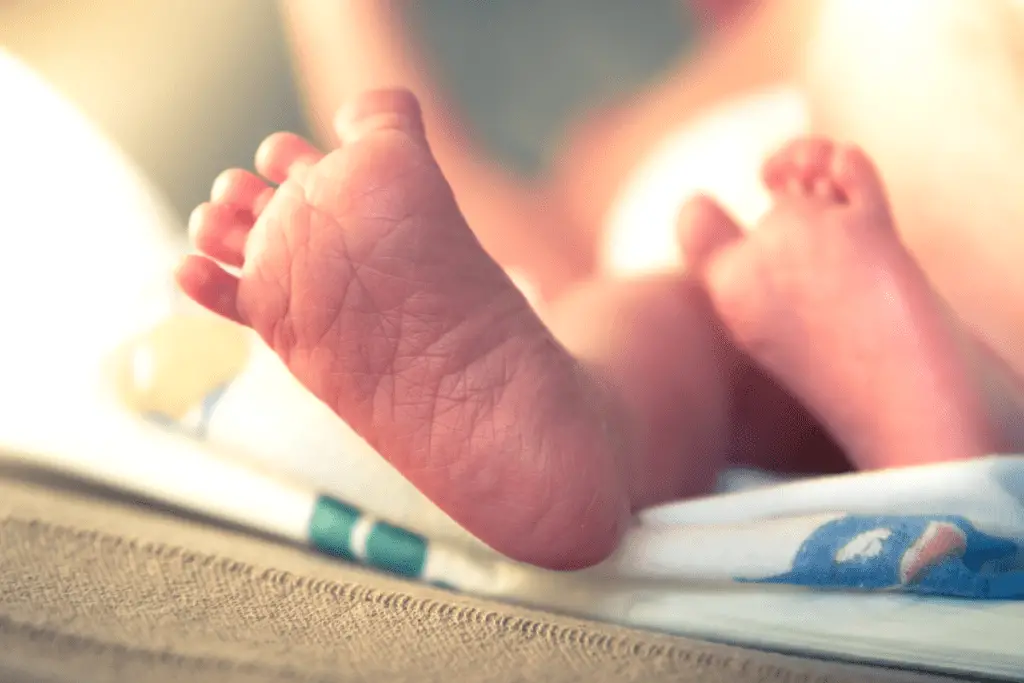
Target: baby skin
point(542, 435)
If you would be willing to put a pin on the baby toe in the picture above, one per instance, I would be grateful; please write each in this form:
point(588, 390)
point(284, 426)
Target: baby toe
point(210, 286)
point(704, 228)
point(394, 108)
point(799, 165)
point(857, 176)
point(283, 155)
point(220, 231)
point(239, 188)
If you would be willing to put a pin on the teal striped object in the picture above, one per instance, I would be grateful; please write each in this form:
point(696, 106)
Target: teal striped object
point(342, 530)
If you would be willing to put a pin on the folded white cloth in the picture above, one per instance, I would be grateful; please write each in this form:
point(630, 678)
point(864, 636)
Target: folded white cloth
point(921, 565)
point(954, 529)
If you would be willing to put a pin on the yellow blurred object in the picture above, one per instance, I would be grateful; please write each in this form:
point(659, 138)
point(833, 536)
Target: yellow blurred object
point(170, 369)
point(183, 88)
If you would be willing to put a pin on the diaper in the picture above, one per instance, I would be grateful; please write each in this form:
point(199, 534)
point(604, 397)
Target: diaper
point(718, 154)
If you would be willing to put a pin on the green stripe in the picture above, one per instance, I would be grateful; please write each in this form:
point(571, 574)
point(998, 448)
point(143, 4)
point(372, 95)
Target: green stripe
point(396, 550)
point(330, 527)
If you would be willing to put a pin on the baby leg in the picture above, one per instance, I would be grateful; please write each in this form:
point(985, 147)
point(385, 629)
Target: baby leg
point(825, 297)
point(656, 340)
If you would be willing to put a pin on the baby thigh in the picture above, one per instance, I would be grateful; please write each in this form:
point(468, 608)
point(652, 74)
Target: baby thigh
point(655, 340)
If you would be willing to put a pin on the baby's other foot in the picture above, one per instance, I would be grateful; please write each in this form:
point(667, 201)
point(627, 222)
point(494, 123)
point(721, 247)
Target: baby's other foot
point(360, 272)
point(824, 296)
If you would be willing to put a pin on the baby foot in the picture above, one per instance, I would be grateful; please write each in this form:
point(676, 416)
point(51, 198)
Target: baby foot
point(360, 272)
point(824, 296)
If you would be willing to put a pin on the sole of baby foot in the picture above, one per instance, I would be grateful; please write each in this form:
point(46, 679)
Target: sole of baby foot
point(362, 275)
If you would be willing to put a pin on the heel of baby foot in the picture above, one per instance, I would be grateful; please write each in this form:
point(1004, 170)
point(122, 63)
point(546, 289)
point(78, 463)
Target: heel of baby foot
point(384, 109)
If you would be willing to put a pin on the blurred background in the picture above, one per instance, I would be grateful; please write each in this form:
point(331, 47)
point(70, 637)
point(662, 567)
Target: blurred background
point(189, 87)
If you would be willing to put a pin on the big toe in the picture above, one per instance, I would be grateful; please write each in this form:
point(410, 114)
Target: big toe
point(376, 110)
point(858, 178)
point(704, 229)
point(285, 155)
point(801, 161)
point(719, 255)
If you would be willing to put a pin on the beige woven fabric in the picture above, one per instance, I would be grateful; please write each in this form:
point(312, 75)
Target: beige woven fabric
point(97, 590)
